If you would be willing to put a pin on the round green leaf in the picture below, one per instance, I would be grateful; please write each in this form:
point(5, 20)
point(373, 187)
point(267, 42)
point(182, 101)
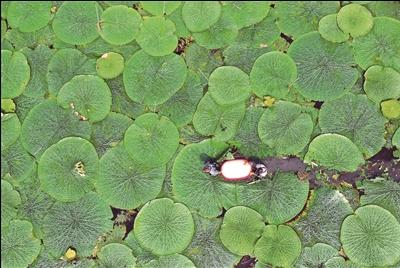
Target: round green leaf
point(119, 25)
point(272, 75)
point(76, 23)
point(355, 20)
point(116, 255)
point(316, 256)
point(174, 260)
point(66, 64)
point(382, 83)
point(110, 65)
point(10, 201)
point(285, 128)
point(164, 227)
point(220, 34)
point(340, 262)
point(153, 80)
point(156, 36)
point(278, 246)
point(160, 7)
point(217, 120)
point(334, 151)
point(229, 85)
point(19, 247)
point(324, 72)
point(206, 250)
point(15, 74)
point(383, 193)
point(329, 29)
point(240, 230)
point(321, 223)
point(247, 13)
point(380, 46)
point(109, 132)
point(182, 105)
point(47, 123)
point(10, 129)
point(200, 15)
point(371, 237)
point(68, 168)
point(391, 109)
point(296, 18)
point(151, 140)
point(278, 199)
point(198, 190)
point(125, 184)
point(28, 16)
point(76, 224)
point(357, 118)
point(87, 95)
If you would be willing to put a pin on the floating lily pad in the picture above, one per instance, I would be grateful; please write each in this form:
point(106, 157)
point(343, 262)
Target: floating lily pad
point(110, 65)
point(160, 7)
point(206, 249)
point(72, 225)
point(285, 128)
point(278, 246)
point(382, 83)
point(391, 109)
point(153, 80)
point(10, 201)
point(125, 184)
point(66, 64)
point(10, 129)
point(220, 34)
point(174, 260)
point(247, 13)
point(229, 85)
point(296, 18)
point(321, 223)
point(38, 60)
point(115, 255)
point(164, 227)
point(334, 151)
point(240, 229)
point(182, 105)
point(217, 120)
point(371, 237)
point(109, 132)
point(316, 256)
point(156, 36)
point(329, 29)
point(151, 140)
point(325, 72)
point(47, 123)
point(15, 74)
point(119, 25)
point(198, 190)
point(87, 95)
point(355, 20)
point(380, 45)
point(357, 118)
point(246, 139)
point(28, 16)
point(76, 22)
point(200, 15)
point(383, 193)
point(68, 168)
point(19, 247)
point(278, 199)
point(272, 75)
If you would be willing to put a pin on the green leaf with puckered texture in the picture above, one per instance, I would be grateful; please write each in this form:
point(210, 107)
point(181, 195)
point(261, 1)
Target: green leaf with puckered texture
point(382, 83)
point(28, 16)
point(71, 225)
point(10, 201)
point(175, 261)
point(125, 184)
point(10, 130)
point(115, 255)
point(321, 223)
point(200, 15)
point(278, 199)
point(15, 74)
point(316, 256)
point(247, 13)
point(160, 7)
